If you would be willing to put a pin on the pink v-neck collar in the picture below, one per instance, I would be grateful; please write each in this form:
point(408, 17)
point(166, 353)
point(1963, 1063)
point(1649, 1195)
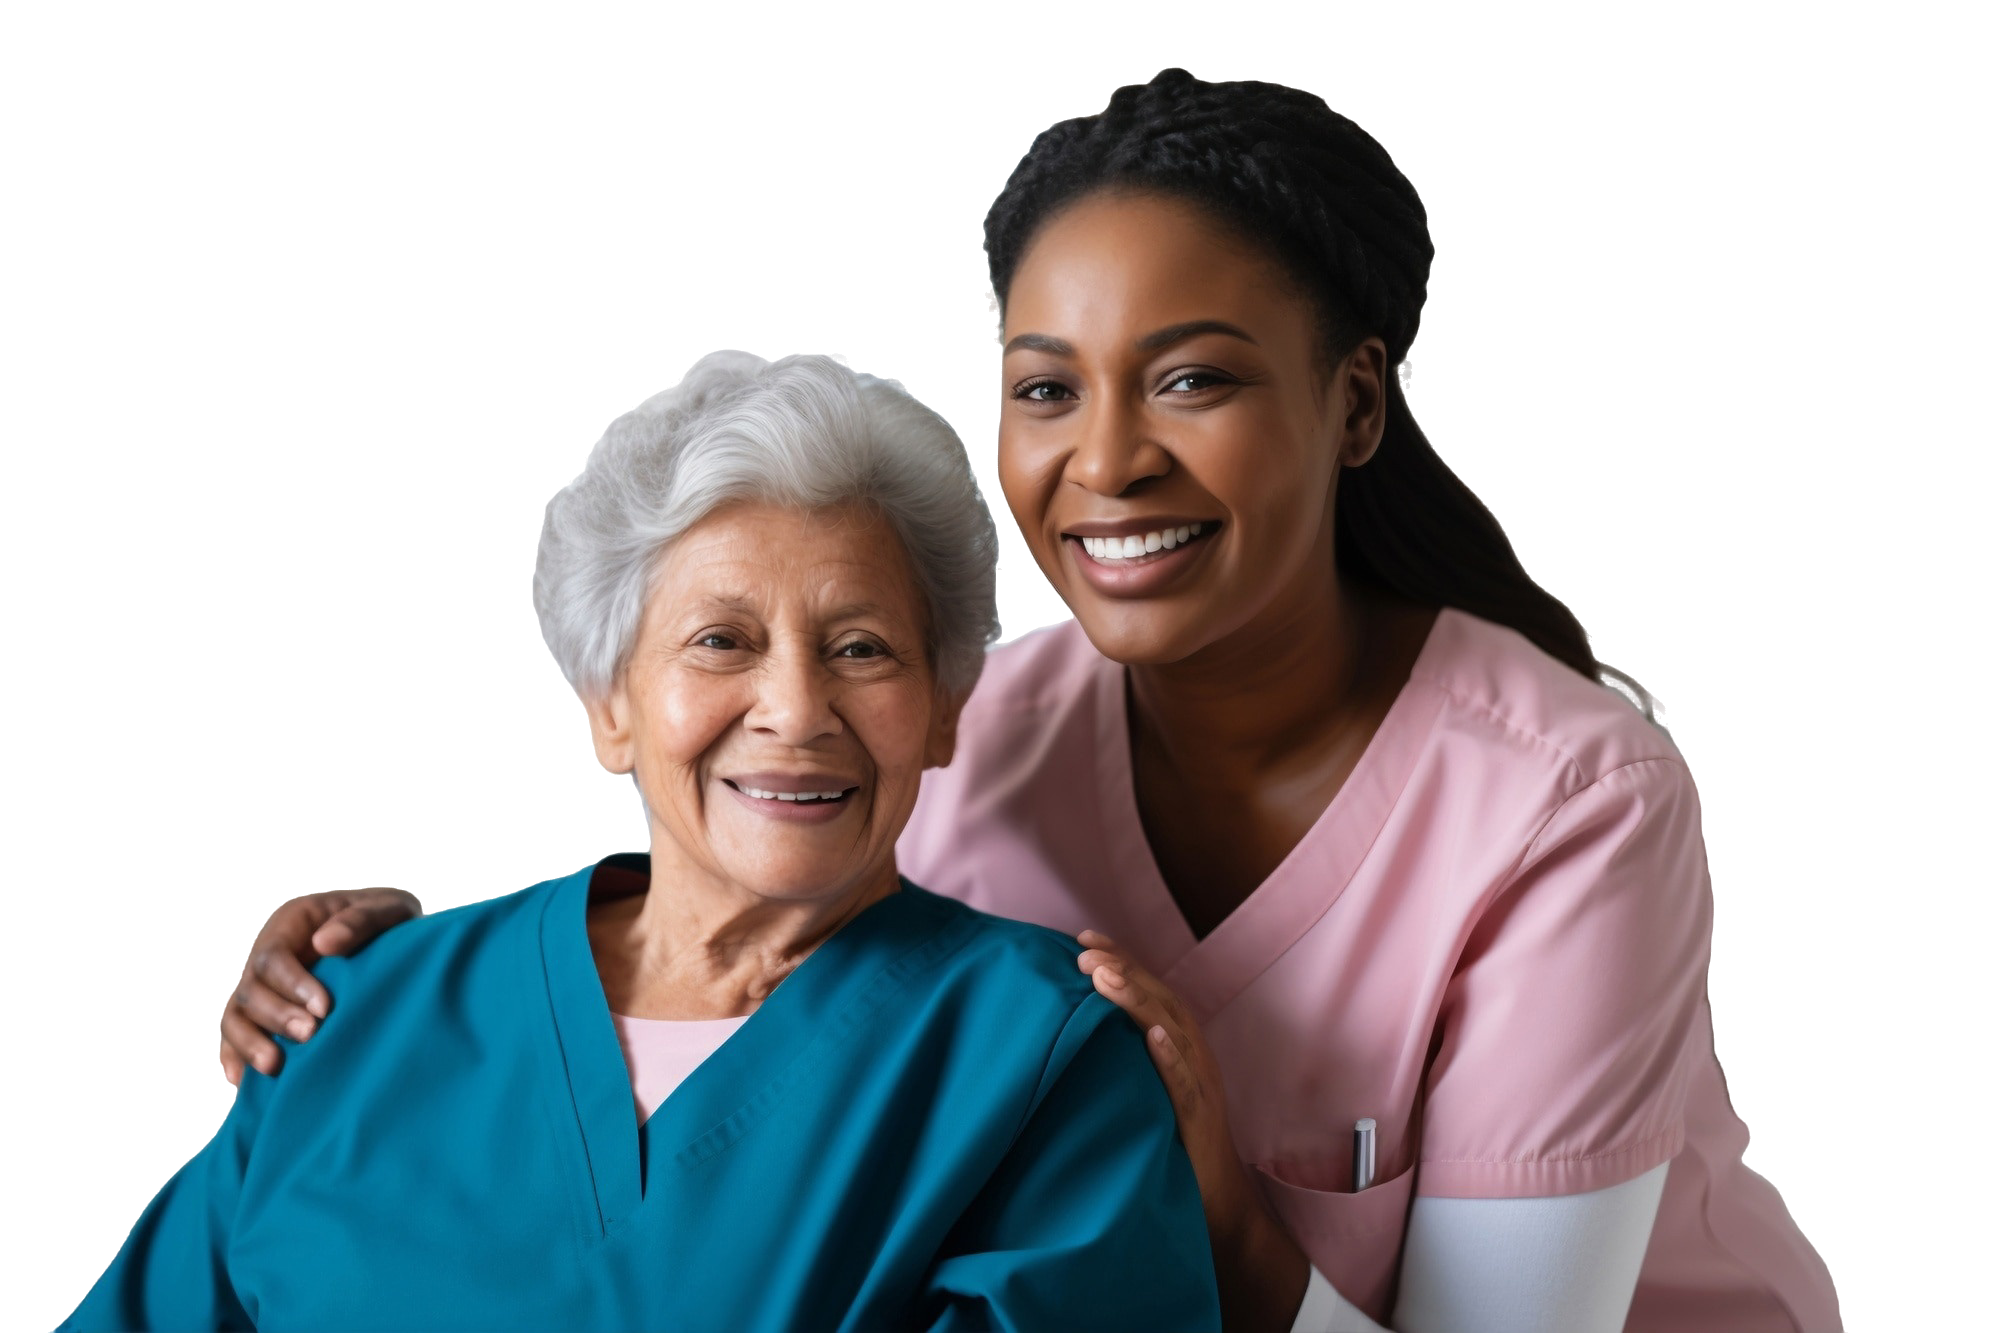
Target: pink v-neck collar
point(1207, 974)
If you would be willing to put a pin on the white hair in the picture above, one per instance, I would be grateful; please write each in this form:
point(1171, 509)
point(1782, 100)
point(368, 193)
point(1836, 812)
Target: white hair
point(804, 432)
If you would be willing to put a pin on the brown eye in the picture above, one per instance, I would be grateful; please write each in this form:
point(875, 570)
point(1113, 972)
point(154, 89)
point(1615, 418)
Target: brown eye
point(859, 650)
point(1042, 391)
point(1194, 381)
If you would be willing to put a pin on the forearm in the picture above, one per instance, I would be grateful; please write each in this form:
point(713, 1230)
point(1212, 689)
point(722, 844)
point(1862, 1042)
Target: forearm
point(1260, 1271)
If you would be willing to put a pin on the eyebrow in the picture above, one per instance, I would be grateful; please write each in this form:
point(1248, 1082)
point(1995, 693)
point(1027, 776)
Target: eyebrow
point(1152, 342)
point(1038, 342)
point(1194, 328)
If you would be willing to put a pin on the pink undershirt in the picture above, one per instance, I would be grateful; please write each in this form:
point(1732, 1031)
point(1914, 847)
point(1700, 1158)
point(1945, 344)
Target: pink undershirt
point(660, 1052)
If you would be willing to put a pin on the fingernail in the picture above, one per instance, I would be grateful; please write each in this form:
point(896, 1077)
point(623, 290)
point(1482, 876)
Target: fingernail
point(1111, 978)
point(299, 1028)
point(316, 1005)
point(1159, 1036)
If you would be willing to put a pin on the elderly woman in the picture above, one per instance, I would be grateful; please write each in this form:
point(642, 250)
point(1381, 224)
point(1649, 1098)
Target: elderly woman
point(859, 1105)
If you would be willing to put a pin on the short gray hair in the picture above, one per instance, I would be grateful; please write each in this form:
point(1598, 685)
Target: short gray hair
point(804, 432)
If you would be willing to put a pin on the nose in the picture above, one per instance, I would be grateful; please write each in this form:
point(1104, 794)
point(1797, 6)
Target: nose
point(1113, 454)
point(795, 695)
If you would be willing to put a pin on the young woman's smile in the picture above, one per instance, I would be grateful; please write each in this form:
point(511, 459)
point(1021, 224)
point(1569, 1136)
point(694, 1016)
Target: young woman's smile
point(1138, 558)
point(1335, 782)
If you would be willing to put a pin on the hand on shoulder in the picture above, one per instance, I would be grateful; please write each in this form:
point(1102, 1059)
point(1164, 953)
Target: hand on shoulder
point(278, 992)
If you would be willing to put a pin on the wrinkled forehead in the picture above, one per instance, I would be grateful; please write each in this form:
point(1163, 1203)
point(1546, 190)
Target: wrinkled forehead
point(778, 563)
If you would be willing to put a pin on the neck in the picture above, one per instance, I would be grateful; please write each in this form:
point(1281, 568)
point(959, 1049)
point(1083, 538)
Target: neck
point(693, 946)
point(1270, 691)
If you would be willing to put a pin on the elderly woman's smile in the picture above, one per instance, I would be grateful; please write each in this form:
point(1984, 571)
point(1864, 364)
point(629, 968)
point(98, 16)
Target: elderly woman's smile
point(778, 708)
point(751, 1080)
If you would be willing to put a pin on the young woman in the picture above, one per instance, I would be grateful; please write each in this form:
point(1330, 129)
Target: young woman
point(1365, 832)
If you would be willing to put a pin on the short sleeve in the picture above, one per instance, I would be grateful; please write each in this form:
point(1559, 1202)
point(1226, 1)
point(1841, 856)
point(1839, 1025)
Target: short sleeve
point(1561, 1062)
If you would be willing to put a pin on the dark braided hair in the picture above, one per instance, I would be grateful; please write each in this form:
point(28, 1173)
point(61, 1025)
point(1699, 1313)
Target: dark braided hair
point(1324, 200)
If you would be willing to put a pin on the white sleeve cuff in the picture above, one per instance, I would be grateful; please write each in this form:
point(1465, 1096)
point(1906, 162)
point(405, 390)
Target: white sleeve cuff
point(1325, 1310)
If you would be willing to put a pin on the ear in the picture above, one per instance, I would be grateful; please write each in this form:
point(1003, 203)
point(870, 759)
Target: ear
point(1361, 396)
point(942, 742)
point(611, 728)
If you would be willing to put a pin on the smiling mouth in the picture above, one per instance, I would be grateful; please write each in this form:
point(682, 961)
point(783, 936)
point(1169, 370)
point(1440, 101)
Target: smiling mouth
point(1137, 547)
point(793, 797)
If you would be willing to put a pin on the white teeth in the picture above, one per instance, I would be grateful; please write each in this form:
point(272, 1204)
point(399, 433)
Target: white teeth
point(1127, 548)
point(807, 796)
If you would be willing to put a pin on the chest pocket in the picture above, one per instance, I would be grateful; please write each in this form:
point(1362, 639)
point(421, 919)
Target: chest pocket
point(1356, 1240)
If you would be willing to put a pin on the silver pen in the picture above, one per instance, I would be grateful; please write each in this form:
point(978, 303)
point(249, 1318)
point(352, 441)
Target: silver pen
point(1364, 1154)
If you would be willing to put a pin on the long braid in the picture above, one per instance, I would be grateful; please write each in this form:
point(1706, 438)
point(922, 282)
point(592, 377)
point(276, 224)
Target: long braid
point(1326, 201)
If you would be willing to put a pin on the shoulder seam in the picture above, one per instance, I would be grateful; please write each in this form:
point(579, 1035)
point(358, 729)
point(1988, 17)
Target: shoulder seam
point(1594, 783)
point(1506, 724)
point(1502, 883)
point(1042, 1079)
point(1494, 715)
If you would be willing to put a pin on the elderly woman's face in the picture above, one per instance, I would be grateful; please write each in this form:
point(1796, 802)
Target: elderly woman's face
point(779, 707)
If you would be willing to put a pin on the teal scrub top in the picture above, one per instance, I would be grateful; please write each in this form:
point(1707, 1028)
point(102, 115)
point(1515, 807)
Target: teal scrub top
point(933, 1122)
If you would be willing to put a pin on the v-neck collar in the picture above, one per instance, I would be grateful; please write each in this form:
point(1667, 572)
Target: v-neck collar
point(821, 1006)
point(1208, 973)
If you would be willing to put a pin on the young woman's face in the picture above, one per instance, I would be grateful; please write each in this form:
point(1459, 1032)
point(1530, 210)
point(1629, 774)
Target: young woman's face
point(1170, 430)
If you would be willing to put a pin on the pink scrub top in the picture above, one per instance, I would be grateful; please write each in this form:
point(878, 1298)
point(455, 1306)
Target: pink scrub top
point(1494, 942)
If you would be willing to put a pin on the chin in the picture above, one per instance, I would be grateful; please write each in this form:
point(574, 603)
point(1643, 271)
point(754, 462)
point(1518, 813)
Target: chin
point(1139, 635)
point(801, 884)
